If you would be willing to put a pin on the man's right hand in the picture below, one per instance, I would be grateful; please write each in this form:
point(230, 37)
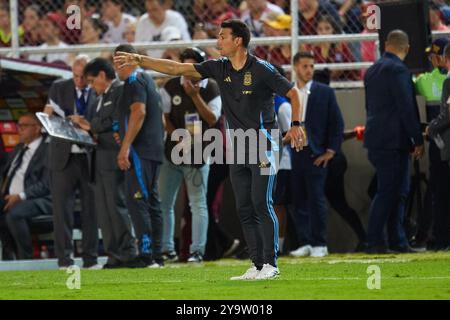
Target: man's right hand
point(117, 138)
point(418, 152)
point(124, 59)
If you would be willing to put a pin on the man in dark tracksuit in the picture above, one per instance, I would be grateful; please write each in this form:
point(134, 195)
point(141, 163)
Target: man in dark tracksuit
point(247, 86)
point(110, 203)
point(140, 156)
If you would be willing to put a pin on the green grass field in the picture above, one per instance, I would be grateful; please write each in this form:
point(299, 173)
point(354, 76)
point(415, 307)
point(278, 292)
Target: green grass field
point(408, 276)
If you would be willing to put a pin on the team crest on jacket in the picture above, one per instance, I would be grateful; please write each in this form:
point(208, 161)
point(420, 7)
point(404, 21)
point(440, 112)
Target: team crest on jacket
point(248, 79)
point(176, 100)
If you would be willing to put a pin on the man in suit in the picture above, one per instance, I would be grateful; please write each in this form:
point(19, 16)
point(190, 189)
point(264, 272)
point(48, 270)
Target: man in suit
point(110, 202)
point(439, 131)
point(24, 188)
point(324, 126)
point(392, 131)
point(69, 166)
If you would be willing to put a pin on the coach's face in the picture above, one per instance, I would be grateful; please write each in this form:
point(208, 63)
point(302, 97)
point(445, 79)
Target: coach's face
point(227, 43)
point(99, 83)
point(304, 69)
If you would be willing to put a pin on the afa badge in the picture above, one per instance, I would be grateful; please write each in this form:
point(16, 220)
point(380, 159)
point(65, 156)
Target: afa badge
point(248, 79)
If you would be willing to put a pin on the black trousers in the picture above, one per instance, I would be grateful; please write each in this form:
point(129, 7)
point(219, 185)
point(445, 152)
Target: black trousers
point(145, 213)
point(63, 185)
point(253, 194)
point(218, 240)
point(335, 193)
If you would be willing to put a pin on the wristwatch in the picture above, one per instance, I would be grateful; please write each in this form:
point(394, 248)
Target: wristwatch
point(297, 124)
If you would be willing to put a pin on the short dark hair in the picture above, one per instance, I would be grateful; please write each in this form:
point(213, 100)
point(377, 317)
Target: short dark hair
point(303, 55)
point(398, 39)
point(238, 29)
point(125, 48)
point(96, 65)
point(194, 54)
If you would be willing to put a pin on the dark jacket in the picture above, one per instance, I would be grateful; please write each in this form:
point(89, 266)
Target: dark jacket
point(439, 128)
point(102, 127)
point(62, 92)
point(36, 182)
point(392, 114)
point(323, 120)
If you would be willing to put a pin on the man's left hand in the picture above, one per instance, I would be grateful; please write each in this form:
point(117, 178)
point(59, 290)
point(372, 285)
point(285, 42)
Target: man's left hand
point(11, 200)
point(296, 136)
point(323, 160)
point(123, 159)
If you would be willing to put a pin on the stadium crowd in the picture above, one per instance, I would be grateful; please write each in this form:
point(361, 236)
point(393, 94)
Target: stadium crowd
point(306, 180)
point(43, 23)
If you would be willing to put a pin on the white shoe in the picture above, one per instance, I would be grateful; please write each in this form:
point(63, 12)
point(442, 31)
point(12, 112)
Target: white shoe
point(95, 267)
point(267, 272)
point(302, 251)
point(155, 265)
point(250, 274)
point(319, 252)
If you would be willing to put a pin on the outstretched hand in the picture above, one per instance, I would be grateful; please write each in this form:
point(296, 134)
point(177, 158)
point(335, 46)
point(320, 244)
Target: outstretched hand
point(125, 59)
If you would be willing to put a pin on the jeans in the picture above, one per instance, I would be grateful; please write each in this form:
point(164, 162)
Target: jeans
point(196, 180)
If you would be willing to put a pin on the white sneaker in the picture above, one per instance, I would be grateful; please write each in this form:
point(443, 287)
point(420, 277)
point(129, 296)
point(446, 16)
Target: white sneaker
point(155, 265)
point(319, 252)
point(267, 272)
point(302, 251)
point(250, 274)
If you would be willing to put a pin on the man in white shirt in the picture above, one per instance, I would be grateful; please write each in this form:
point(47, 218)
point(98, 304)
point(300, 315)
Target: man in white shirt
point(117, 21)
point(50, 28)
point(24, 187)
point(258, 11)
point(151, 24)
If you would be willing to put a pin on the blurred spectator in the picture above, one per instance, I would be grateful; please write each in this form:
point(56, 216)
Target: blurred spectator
point(50, 27)
point(5, 27)
point(257, 11)
point(130, 33)
point(436, 18)
point(25, 189)
point(349, 12)
point(171, 34)
point(211, 13)
point(32, 16)
point(151, 24)
point(283, 4)
point(368, 49)
point(277, 26)
point(92, 30)
point(117, 21)
point(328, 52)
point(310, 11)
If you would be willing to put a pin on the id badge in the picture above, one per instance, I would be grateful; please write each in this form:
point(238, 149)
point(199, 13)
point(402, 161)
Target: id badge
point(193, 123)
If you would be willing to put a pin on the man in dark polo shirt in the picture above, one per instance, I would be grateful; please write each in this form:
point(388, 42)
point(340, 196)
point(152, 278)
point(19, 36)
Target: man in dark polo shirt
point(247, 86)
point(140, 156)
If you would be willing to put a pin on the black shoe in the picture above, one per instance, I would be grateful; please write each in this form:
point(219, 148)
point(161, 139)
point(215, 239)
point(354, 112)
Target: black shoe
point(87, 265)
point(377, 250)
point(361, 247)
point(170, 256)
point(135, 263)
point(418, 245)
point(402, 249)
point(115, 265)
point(195, 257)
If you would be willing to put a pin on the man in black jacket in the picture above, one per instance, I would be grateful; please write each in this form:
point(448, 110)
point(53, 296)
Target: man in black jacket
point(25, 189)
